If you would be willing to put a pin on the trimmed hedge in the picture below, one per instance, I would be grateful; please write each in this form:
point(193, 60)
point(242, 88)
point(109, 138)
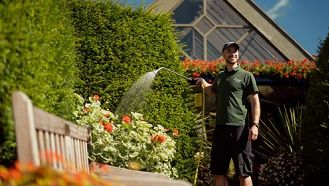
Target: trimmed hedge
point(117, 45)
point(37, 56)
point(315, 128)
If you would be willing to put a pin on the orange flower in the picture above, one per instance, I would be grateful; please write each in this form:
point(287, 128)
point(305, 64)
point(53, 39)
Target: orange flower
point(268, 68)
point(158, 138)
point(15, 174)
point(96, 97)
point(101, 122)
point(126, 119)
point(175, 132)
point(4, 174)
point(108, 127)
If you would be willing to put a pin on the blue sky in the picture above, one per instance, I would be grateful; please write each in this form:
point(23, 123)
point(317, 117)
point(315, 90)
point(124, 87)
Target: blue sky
point(305, 21)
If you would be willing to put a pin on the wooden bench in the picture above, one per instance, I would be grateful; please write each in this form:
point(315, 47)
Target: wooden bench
point(44, 139)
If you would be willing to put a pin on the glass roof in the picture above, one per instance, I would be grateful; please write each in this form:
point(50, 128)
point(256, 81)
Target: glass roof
point(205, 25)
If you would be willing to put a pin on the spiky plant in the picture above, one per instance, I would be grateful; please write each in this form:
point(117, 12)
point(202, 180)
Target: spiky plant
point(283, 135)
point(282, 148)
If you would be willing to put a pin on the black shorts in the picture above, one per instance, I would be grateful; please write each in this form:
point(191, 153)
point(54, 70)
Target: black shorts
point(231, 142)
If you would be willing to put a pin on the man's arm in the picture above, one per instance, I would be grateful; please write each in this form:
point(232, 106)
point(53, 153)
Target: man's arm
point(208, 89)
point(255, 115)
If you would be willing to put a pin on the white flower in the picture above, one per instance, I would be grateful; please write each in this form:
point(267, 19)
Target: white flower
point(127, 145)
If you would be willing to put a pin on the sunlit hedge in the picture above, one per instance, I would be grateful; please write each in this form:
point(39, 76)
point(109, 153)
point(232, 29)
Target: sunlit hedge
point(37, 56)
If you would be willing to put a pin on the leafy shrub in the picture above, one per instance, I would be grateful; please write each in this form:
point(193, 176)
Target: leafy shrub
point(315, 127)
point(129, 142)
point(37, 56)
point(116, 46)
point(284, 169)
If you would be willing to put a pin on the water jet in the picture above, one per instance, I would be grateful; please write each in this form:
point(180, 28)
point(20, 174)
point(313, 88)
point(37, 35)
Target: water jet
point(133, 99)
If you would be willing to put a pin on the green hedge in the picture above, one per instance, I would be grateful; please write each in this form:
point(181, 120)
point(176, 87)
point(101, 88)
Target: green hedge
point(117, 45)
point(37, 56)
point(315, 128)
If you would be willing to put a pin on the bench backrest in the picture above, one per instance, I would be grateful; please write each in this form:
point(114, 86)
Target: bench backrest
point(45, 139)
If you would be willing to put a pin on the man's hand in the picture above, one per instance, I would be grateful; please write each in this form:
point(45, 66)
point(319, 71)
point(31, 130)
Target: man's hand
point(206, 86)
point(200, 81)
point(253, 133)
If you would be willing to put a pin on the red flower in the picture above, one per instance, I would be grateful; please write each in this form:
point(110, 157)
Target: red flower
point(299, 76)
point(268, 68)
point(195, 74)
point(108, 127)
point(286, 75)
point(158, 138)
point(126, 119)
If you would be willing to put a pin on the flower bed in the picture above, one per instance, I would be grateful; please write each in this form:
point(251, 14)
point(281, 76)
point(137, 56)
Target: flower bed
point(127, 141)
point(269, 70)
point(23, 175)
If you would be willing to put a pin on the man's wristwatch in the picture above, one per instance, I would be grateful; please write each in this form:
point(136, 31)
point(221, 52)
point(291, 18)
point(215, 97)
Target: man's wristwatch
point(256, 124)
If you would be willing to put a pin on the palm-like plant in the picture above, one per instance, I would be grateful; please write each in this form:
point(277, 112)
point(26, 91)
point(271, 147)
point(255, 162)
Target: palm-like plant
point(281, 147)
point(283, 136)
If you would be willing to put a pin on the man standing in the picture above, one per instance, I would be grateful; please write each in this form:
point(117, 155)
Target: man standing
point(237, 118)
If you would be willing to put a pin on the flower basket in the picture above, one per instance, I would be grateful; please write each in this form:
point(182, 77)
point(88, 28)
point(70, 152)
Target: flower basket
point(267, 72)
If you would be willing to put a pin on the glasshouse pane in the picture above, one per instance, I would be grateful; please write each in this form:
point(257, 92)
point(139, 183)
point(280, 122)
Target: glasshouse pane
point(218, 37)
point(204, 25)
point(188, 11)
point(192, 41)
point(255, 47)
point(221, 13)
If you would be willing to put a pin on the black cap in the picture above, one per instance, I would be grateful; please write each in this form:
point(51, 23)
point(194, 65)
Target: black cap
point(228, 44)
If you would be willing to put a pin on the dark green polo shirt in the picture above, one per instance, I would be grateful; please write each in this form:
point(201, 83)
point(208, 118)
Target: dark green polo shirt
point(232, 89)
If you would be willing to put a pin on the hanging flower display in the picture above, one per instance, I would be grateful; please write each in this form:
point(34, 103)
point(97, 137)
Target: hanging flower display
point(272, 69)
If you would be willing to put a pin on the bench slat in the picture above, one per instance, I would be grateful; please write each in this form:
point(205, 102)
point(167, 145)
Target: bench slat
point(45, 139)
point(49, 122)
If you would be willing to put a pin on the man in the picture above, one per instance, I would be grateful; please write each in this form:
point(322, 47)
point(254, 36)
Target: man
point(237, 118)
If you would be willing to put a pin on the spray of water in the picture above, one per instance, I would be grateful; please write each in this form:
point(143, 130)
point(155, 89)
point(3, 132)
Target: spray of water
point(134, 98)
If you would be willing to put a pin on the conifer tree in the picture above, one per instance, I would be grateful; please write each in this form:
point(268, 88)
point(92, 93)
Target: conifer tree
point(315, 127)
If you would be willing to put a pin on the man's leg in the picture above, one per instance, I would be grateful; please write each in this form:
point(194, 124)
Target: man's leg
point(220, 155)
point(243, 157)
point(220, 180)
point(245, 181)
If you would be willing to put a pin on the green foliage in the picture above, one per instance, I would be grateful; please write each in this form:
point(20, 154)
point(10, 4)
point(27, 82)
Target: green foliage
point(37, 56)
point(282, 136)
point(281, 147)
point(129, 142)
point(116, 46)
point(284, 169)
point(315, 128)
